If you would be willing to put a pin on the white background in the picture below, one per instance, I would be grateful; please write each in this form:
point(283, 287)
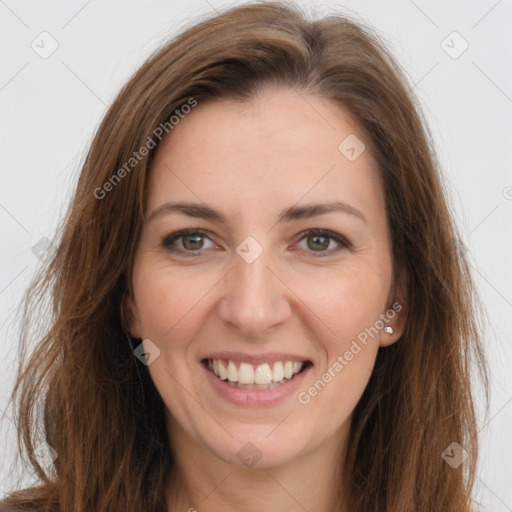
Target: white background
point(50, 107)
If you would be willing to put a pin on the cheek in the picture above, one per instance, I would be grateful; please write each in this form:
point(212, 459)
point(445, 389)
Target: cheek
point(347, 303)
point(349, 344)
point(349, 306)
point(334, 395)
point(167, 301)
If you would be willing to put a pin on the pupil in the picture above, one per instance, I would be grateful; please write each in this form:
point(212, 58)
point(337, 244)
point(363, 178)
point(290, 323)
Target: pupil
point(323, 245)
point(196, 240)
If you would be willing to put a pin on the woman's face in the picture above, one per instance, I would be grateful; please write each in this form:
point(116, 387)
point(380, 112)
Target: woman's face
point(252, 292)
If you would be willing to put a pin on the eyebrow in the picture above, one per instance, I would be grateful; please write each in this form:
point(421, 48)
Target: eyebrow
point(204, 211)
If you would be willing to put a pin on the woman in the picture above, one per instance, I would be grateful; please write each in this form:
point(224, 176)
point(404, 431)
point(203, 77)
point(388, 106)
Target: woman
point(258, 298)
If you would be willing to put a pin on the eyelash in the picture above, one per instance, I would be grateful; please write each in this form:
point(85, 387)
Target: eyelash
point(170, 239)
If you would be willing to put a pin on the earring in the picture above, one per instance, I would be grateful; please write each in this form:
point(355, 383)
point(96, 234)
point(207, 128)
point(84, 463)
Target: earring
point(389, 329)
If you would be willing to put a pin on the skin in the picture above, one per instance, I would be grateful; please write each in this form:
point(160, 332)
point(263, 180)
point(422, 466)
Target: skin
point(251, 161)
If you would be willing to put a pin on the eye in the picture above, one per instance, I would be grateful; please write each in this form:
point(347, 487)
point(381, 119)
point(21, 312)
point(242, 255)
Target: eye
point(320, 240)
point(190, 242)
point(187, 242)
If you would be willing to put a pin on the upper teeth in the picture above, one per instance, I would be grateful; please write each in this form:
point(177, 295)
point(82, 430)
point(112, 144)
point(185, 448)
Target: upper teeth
point(254, 374)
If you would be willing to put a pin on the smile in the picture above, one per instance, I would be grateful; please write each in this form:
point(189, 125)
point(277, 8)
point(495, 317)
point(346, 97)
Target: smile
point(244, 375)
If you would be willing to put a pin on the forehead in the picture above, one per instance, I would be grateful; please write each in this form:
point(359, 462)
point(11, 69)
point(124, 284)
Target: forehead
point(277, 148)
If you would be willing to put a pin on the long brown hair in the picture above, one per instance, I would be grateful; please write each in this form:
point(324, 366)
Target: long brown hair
point(83, 392)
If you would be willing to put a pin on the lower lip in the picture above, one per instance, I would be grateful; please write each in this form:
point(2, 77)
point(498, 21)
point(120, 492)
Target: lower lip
point(255, 396)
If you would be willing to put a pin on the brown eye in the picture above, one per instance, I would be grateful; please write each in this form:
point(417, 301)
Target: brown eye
point(187, 242)
point(316, 242)
point(319, 240)
point(192, 242)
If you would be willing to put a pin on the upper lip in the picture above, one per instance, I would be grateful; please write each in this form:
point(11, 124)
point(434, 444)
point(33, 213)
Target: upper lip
point(240, 357)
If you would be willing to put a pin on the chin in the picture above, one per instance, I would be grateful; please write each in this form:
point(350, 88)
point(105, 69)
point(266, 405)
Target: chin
point(259, 447)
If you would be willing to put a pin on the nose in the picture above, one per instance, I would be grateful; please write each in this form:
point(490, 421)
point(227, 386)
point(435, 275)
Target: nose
point(255, 299)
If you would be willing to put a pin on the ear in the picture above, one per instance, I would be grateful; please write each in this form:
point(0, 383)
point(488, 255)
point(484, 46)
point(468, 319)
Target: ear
point(130, 315)
point(396, 311)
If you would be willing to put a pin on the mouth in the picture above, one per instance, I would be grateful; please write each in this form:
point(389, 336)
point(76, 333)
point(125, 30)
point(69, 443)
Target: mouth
point(249, 376)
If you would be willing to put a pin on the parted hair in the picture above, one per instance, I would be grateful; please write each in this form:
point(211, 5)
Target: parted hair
point(79, 387)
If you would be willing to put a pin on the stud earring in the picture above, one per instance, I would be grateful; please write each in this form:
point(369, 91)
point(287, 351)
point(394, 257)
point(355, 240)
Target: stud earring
point(389, 329)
